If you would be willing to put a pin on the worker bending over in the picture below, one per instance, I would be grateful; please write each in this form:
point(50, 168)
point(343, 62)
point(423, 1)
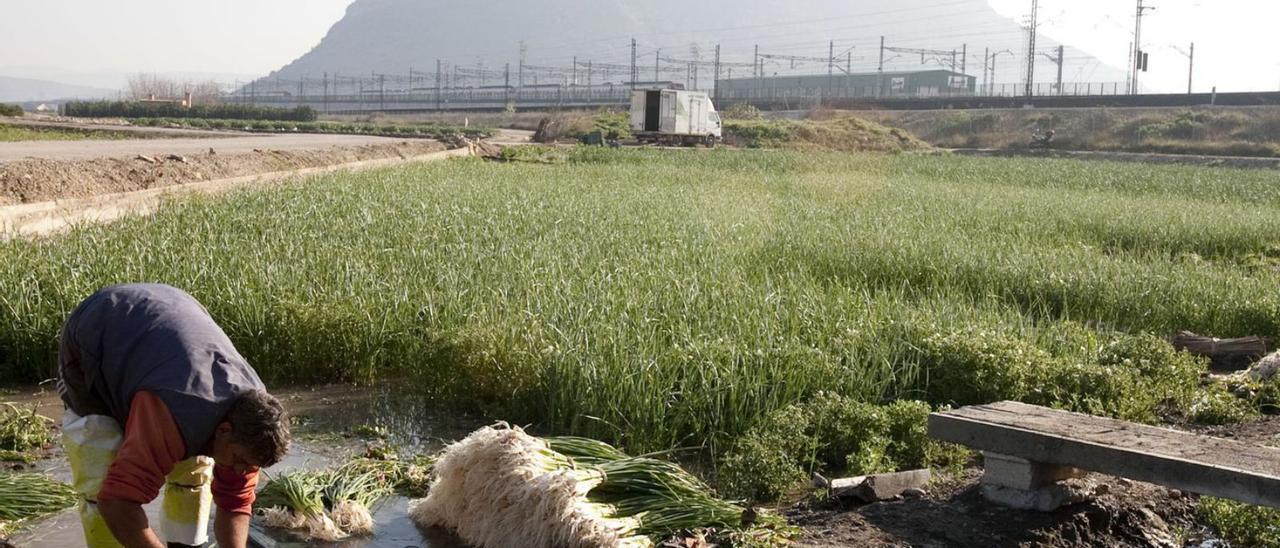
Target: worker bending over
point(157, 398)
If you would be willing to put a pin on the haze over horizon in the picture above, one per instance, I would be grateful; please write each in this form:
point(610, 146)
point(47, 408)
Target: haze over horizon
point(99, 44)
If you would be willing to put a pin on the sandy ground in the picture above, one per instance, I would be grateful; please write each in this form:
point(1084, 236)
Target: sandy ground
point(222, 144)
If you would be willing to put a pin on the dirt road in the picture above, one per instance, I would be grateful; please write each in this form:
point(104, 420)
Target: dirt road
point(129, 148)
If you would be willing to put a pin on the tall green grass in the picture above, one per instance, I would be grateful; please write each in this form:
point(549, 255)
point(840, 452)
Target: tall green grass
point(661, 299)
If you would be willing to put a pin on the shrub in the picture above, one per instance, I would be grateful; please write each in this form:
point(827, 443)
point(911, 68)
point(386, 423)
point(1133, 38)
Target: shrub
point(10, 110)
point(964, 123)
point(743, 111)
point(1241, 524)
point(834, 435)
point(134, 109)
point(1133, 377)
point(612, 125)
point(976, 366)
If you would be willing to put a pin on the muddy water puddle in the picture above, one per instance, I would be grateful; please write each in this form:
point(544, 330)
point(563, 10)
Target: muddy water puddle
point(331, 425)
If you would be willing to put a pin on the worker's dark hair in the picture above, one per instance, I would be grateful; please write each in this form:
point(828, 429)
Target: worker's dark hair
point(259, 423)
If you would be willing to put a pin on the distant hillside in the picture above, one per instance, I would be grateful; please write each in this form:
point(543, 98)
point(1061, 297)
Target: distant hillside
point(390, 36)
point(17, 90)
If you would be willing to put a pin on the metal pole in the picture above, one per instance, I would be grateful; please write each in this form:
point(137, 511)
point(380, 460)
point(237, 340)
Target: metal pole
point(1062, 58)
point(657, 58)
point(964, 59)
point(716, 89)
point(575, 69)
point(1136, 66)
point(1031, 47)
point(633, 63)
point(523, 51)
point(831, 67)
point(1191, 68)
point(880, 71)
point(986, 66)
point(438, 84)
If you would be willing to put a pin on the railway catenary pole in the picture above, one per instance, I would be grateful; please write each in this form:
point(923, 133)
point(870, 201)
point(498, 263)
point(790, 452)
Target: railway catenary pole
point(506, 86)
point(880, 71)
point(438, 90)
point(1062, 60)
point(1136, 65)
point(831, 67)
point(524, 50)
point(964, 59)
point(715, 91)
point(1031, 46)
point(657, 60)
point(633, 64)
point(986, 66)
point(1191, 67)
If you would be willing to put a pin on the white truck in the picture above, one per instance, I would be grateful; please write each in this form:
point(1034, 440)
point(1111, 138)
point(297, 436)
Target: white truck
point(674, 117)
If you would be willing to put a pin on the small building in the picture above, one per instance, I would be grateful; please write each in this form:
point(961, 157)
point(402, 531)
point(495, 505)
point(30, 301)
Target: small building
point(924, 83)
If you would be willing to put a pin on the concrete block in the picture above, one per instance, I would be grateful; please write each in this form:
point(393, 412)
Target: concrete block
point(1043, 499)
point(879, 487)
point(1019, 473)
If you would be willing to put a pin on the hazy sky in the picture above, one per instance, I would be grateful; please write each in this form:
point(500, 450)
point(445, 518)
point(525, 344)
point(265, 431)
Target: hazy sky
point(1237, 46)
point(95, 42)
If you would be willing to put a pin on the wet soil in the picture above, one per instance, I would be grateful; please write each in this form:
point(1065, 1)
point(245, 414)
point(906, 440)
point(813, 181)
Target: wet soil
point(331, 425)
point(953, 513)
point(334, 423)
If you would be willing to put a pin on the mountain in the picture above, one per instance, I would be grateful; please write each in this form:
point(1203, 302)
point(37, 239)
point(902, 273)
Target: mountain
point(14, 90)
point(391, 36)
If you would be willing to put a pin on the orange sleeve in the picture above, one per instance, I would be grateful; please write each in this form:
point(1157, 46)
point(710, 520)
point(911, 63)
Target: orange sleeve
point(152, 446)
point(234, 492)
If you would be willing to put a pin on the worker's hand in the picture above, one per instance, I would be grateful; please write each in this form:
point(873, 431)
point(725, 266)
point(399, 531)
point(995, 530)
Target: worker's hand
point(128, 523)
point(231, 530)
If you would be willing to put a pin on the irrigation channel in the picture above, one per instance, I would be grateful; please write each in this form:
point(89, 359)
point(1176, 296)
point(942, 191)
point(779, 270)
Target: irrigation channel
point(328, 426)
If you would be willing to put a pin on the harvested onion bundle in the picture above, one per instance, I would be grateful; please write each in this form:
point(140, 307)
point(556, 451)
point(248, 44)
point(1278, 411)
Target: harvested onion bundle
point(329, 505)
point(501, 487)
point(24, 497)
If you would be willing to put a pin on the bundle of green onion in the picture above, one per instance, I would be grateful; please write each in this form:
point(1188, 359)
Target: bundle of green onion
point(22, 429)
point(502, 487)
point(24, 497)
point(329, 504)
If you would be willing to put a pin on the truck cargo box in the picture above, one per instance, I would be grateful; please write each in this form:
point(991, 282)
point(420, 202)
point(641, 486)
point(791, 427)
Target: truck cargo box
point(674, 116)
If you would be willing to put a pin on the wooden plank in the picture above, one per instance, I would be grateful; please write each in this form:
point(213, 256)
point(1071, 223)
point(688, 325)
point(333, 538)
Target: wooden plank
point(1181, 460)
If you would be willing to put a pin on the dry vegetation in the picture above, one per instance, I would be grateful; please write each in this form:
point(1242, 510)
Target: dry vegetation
point(1253, 131)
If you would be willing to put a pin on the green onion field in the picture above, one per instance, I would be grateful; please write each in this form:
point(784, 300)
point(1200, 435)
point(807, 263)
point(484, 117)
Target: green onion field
point(661, 299)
